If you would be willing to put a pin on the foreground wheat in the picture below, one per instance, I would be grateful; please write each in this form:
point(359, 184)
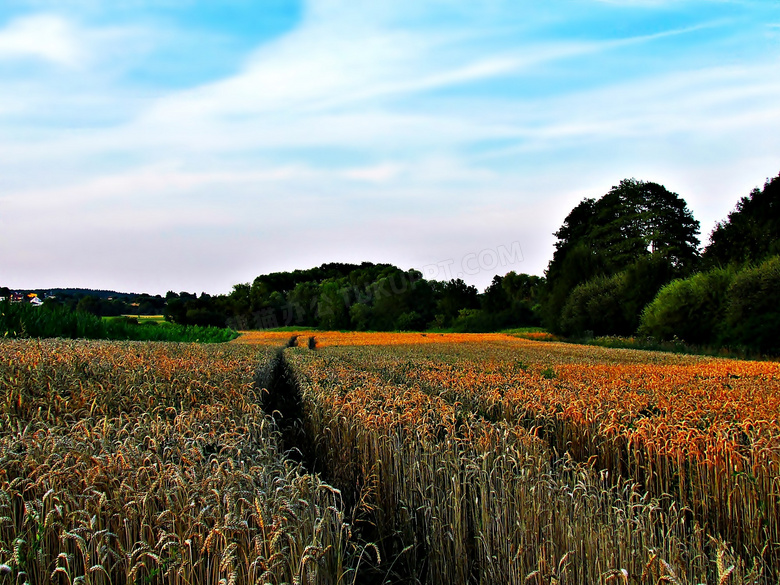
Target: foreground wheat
point(152, 463)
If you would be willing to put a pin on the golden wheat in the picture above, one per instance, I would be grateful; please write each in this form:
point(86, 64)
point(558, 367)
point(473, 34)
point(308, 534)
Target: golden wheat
point(152, 463)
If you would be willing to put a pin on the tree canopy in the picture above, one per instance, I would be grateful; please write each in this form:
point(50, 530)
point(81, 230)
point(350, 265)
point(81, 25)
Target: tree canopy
point(634, 221)
point(751, 233)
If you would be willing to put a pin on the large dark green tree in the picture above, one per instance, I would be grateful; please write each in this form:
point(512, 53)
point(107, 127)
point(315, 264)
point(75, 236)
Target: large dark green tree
point(635, 221)
point(751, 232)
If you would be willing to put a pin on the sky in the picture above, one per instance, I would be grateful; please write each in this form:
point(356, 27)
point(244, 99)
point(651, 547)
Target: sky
point(190, 145)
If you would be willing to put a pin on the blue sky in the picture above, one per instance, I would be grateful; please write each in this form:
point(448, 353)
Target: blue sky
point(192, 145)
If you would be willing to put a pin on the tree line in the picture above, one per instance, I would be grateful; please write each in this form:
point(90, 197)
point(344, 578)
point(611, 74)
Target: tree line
point(101, 303)
point(628, 263)
point(367, 296)
point(631, 263)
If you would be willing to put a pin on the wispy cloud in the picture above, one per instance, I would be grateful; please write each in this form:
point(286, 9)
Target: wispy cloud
point(476, 128)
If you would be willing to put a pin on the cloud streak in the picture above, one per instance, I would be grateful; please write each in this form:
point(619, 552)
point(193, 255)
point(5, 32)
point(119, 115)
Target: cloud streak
point(415, 136)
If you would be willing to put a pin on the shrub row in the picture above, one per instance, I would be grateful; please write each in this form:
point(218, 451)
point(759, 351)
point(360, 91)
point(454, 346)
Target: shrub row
point(23, 320)
point(720, 307)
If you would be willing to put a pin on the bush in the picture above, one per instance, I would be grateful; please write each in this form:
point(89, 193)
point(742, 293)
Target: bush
point(475, 321)
point(644, 278)
point(411, 321)
point(360, 315)
point(596, 307)
point(753, 309)
point(691, 309)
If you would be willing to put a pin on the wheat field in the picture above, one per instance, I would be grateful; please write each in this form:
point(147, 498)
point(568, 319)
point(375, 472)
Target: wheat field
point(339, 458)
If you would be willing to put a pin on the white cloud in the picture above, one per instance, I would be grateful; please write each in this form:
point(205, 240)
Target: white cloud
point(58, 79)
point(42, 36)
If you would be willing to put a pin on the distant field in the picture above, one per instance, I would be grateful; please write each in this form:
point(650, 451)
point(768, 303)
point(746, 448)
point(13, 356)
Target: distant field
point(458, 458)
point(357, 338)
point(324, 338)
point(144, 318)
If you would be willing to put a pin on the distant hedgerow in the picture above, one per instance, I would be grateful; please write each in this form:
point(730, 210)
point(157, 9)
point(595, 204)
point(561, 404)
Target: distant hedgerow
point(691, 309)
point(23, 320)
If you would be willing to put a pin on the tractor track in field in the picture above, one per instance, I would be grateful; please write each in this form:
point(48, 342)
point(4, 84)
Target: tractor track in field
point(282, 401)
